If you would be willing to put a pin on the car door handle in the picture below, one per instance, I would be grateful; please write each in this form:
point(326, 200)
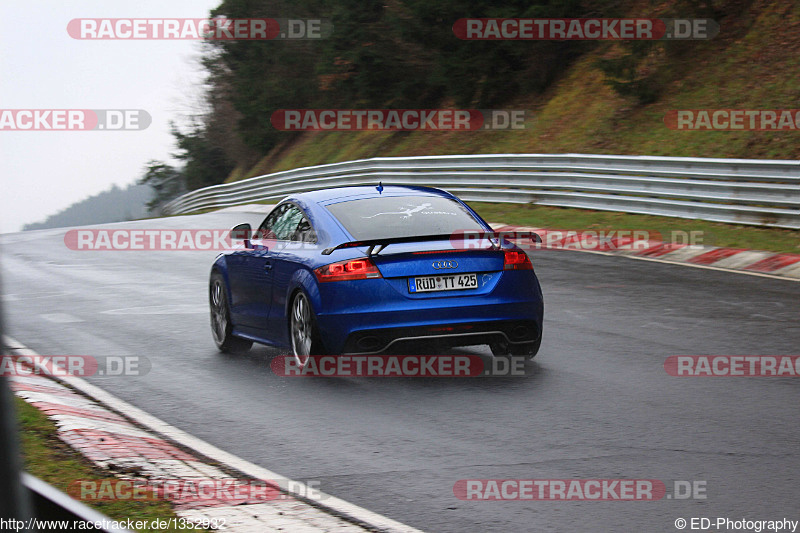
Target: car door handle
point(267, 266)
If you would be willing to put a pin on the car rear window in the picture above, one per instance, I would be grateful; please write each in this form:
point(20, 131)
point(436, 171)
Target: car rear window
point(402, 216)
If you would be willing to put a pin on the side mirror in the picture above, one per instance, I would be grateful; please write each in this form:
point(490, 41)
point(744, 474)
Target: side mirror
point(242, 232)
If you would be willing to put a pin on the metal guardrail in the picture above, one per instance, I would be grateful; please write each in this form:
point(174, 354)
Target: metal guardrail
point(745, 191)
point(54, 508)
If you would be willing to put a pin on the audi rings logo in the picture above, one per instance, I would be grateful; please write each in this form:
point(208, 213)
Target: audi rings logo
point(439, 265)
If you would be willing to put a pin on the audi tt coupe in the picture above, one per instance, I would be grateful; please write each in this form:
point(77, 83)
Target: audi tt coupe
point(366, 269)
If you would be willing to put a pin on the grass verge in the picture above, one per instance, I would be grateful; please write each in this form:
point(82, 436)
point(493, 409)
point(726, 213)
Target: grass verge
point(52, 460)
point(713, 233)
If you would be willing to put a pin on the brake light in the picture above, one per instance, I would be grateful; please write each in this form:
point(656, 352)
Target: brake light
point(441, 251)
point(348, 270)
point(517, 261)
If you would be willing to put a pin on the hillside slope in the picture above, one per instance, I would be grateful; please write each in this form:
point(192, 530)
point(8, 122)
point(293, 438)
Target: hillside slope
point(754, 63)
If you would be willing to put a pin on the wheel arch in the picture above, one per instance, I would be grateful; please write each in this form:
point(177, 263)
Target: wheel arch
point(302, 280)
point(221, 267)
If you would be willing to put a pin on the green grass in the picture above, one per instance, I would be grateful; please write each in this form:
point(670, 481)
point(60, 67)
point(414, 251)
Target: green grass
point(714, 233)
point(50, 459)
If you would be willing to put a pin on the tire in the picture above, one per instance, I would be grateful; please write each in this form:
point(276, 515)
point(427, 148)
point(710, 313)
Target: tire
point(221, 326)
point(505, 349)
point(303, 330)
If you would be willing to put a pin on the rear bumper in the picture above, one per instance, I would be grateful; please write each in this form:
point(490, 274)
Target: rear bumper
point(446, 335)
point(375, 318)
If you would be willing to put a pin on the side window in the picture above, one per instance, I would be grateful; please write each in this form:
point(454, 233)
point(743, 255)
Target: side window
point(305, 232)
point(265, 230)
point(287, 223)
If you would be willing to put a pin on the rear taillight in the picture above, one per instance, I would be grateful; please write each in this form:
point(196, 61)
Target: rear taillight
point(348, 270)
point(517, 261)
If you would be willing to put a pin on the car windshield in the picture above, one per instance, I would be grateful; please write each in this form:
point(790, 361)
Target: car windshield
point(402, 216)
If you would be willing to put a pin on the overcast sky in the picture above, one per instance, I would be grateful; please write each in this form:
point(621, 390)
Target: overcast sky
point(42, 67)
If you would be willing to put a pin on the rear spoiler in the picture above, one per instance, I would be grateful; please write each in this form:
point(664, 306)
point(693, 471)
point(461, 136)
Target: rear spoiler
point(376, 246)
point(380, 244)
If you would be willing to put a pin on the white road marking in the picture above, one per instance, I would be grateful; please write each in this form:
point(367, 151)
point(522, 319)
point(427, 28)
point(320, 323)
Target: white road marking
point(655, 260)
point(707, 267)
point(61, 318)
point(321, 500)
point(35, 295)
point(176, 309)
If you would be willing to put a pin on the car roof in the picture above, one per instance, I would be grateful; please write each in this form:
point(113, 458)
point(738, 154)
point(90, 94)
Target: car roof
point(357, 192)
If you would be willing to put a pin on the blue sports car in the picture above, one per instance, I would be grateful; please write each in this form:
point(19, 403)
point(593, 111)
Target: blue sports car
point(366, 269)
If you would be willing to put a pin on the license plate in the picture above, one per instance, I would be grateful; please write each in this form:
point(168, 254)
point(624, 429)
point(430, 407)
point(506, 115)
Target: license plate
point(456, 282)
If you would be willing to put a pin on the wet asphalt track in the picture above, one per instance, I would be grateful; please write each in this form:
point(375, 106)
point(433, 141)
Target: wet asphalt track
point(596, 403)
